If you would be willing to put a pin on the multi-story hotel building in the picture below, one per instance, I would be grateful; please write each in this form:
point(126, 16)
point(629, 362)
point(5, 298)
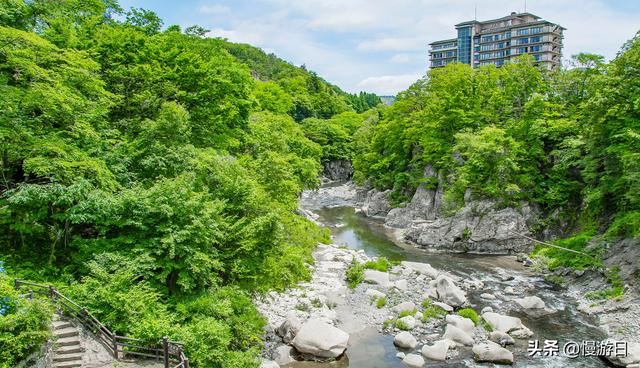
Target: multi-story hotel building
point(500, 40)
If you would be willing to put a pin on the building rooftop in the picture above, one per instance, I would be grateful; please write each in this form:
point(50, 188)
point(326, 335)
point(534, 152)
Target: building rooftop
point(510, 16)
point(444, 41)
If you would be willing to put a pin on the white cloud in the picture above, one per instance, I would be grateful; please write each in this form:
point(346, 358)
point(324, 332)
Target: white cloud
point(400, 58)
point(214, 9)
point(392, 44)
point(388, 84)
point(239, 36)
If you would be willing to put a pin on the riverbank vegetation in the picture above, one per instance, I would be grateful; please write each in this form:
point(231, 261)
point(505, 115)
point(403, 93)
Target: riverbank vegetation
point(566, 141)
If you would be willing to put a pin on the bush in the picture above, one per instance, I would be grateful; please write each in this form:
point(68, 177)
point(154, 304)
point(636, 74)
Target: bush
point(469, 313)
point(355, 274)
point(381, 264)
point(24, 324)
point(381, 302)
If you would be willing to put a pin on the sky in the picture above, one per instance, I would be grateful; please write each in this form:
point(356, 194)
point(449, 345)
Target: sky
point(381, 46)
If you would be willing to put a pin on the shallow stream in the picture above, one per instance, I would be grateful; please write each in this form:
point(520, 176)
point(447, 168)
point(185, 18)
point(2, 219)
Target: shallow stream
point(370, 349)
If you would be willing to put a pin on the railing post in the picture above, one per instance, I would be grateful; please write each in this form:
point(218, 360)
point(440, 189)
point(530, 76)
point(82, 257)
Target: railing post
point(17, 284)
point(165, 348)
point(52, 292)
point(115, 347)
point(186, 362)
point(30, 294)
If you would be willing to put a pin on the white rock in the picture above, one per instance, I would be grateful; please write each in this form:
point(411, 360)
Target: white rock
point(269, 364)
point(444, 306)
point(507, 324)
point(409, 321)
point(405, 340)
point(289, 328)
point(633, 354)
point(375, 294)
point(401, 285)
point(491, 352)
point(454, 333)
point(463, 323)
point(320, 339)
point(437, 351)
point(486, 309)
point(400, 355)
point(531, 302)
point(501, 338)
point(413, 361)
point(487, 296)
point(430, 293)
point(509, 290)
point(421, 268)
point(376, 277)
point(282, 355)
point(404, 307)
point(418, 315)
point(449, 292)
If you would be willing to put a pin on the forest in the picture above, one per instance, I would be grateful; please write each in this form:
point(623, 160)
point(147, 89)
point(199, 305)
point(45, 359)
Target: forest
point(153, 174)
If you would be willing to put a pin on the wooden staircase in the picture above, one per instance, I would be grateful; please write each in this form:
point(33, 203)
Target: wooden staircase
point(67, 350)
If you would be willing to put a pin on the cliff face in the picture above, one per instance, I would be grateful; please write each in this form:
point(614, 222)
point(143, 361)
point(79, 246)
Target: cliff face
point(480, 226)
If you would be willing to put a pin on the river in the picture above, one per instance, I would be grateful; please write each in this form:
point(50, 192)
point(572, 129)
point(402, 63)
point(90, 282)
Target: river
point(370, 349)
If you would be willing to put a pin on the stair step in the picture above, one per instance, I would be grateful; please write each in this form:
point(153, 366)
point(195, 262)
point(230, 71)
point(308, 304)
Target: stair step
point(59, 325)
point(66, 332)
point(69, 364)
point(68, 341)
point(70, 349)
point(67, 357)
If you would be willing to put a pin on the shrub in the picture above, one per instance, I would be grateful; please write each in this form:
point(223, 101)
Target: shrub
point(355, 274)
point(469, 313)
point(381, 302)
point(24, 325)
point(381, 264)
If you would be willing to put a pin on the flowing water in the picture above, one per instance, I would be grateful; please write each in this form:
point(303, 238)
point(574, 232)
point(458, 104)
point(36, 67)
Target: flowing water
point(368, 349)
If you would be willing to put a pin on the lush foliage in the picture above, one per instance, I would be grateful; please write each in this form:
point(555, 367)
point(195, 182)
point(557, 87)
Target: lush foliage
point(24, 323)
point(154, 174)
point(469, 313)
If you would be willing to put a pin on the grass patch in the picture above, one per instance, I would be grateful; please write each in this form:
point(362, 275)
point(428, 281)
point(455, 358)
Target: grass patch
point(555, 280)
point(381, 302)
point(355, 274)
point(469, 313)
point(381, 264)
point(487, 327)
point(431, 311)
point(316, 302)
point(407, 313)
point(614, 292)
point(400, 325)
point(558, 258)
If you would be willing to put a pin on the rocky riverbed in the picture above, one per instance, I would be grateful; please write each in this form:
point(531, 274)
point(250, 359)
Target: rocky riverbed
point(414, 304)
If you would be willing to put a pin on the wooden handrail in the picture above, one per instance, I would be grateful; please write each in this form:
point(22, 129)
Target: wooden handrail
point(169, 352)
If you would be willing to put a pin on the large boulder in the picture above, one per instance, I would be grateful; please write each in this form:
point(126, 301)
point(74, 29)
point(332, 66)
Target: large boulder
point(632, 358)
point(456, 334)
point(376, 277)
point(320, 340)
point(421, 268)
point(376, 203)
point(269, 364)
point(493, 353)
point(405, 340)
point(530, 302)
point(413, 361)
point(463, 323)
point(448, 292)
point(424, 205)
point(289, 328)
point(507, 324)
point(437, 351)
point(501, 338)
point(481, 226)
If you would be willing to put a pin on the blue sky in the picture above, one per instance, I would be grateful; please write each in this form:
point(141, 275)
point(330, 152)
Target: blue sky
point(381, 45)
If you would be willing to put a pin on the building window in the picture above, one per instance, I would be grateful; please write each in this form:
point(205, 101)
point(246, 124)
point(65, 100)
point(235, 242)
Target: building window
point(522, 41)
point(536, 48)
point(522, 32)
point(536, 30)
point(522, 50)
point(536, 39)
